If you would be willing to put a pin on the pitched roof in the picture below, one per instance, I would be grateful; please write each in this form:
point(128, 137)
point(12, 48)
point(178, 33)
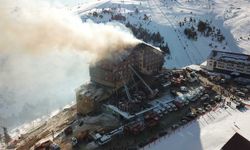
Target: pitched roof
point(237, 142)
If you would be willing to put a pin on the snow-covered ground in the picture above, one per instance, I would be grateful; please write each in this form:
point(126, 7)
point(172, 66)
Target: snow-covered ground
point(231, 17)
point(209, 132)
point(165, 16)
point(34, 86)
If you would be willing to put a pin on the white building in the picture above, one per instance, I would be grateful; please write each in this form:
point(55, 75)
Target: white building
point(229, 62)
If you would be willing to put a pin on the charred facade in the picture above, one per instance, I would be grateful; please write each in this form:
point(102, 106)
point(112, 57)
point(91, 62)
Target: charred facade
point(115, 70)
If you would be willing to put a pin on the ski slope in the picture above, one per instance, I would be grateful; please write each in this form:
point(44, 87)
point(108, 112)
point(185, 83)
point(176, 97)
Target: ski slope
point(213, 130)
point(231, 17)
point(165, 16)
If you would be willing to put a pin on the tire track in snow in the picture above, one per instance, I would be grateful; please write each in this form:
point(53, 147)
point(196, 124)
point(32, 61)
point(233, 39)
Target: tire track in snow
point(169, 43)
point(175, 31)
point(184, 38)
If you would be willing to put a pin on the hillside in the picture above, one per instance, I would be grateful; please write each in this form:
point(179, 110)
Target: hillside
point(159, 19)
point(164, 16)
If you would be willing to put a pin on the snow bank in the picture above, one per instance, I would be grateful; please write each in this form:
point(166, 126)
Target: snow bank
point(209, 132)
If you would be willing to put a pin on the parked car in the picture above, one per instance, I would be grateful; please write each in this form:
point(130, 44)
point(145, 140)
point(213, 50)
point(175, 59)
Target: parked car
point(208, 107)
point(191, 115)
point(241, 94)
point(245, 90)
point(200, 110)
point(175, 126)
point(206, 104)
point(54, 146)
point(158, 111)
point(186, 102)
point(205, 97)
point(218, 98)
point(212, 102)
point(187, 118)
point(162, 108)
point(184, 121)
point(183, 89)
point(240, 106)
point(191, 97)
point(173, 106)
point(178, 103)
point(201, 88)
point(168, 107)
point(173, 92)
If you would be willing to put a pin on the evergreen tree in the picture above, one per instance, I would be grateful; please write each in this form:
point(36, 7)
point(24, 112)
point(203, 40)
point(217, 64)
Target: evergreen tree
point(202, 26)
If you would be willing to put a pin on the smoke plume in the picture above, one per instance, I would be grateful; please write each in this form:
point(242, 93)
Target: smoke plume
point(37, 26)
point(44, 55)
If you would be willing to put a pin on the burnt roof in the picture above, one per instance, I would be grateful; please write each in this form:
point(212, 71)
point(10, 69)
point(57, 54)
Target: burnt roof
point(116, 57)
point(144, 45)
point(237, 142)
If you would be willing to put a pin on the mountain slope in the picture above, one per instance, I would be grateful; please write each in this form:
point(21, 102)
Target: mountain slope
point(165, 15)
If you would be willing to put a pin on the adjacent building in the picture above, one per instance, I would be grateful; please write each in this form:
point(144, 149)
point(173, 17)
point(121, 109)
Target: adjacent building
point(228, 62)
point(237, 142)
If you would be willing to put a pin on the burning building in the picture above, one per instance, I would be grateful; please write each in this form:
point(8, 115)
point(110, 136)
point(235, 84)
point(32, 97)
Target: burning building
point(115, 71)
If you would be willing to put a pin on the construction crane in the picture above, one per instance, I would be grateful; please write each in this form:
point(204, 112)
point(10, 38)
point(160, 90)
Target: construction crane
point(153, 93)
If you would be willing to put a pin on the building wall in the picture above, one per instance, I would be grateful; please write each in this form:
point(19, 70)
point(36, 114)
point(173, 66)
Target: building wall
point(84, 104)
point(210, 64)
point(115, 75)
point(143, 58)
point(228, 66)
point(150, 62)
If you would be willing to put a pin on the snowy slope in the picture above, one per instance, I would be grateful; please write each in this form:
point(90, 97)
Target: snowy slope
point(236, 17)
point(231, 17)
point(166, 14)
point(209, 132)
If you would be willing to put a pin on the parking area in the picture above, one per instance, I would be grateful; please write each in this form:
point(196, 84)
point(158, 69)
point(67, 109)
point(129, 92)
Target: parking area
point(200, 102)
point(145, 115)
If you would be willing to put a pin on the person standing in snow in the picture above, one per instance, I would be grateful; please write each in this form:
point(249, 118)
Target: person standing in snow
point(236, 126)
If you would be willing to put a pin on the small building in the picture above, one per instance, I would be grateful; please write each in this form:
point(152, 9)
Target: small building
point(229, 62)
point(237, 142)
point(88, 96)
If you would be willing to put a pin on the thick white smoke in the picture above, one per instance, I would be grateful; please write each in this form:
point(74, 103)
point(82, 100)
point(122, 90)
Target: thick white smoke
point(37, 26)
point(36, 76)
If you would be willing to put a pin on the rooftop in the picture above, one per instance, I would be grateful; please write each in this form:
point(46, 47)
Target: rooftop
point(91, 91)
point(230, 56)
point(118, 56)
point(237, 141)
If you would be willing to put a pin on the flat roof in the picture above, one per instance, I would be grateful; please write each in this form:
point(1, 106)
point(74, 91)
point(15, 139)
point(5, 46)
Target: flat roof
point(230, 56)
point(237, 142)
